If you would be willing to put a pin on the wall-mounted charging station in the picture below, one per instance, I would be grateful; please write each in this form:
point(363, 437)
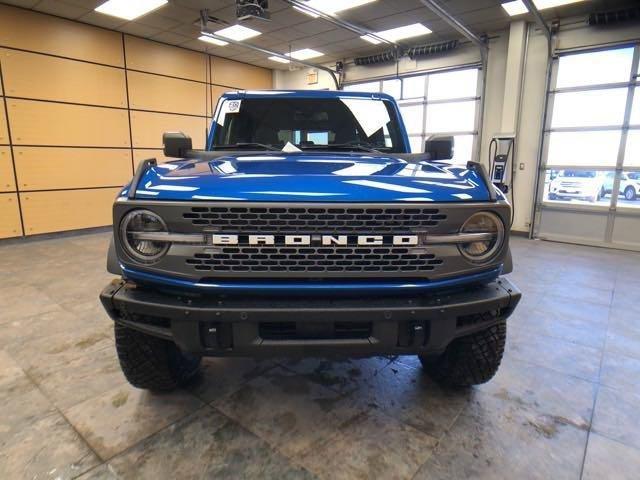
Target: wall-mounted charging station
point(501, 150)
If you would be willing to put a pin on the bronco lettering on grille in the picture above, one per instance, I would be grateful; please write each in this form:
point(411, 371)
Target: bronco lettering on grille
point(326, 240)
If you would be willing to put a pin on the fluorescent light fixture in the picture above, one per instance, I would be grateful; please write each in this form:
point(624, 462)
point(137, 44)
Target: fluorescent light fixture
point(128, 9)
point(399, 33)
point(213, 41)
point(238, 33)
point(278, 59)
point(516, 7)
point(304, 54)
point(331, 6)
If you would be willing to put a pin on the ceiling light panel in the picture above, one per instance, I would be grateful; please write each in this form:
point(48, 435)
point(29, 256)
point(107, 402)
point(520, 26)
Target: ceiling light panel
point(399, 33)
point(516, 7)
point(304, 54)
point(332, 6)
point(238, 33)
point(213, 41)
point(279, 59)
point(129, 10)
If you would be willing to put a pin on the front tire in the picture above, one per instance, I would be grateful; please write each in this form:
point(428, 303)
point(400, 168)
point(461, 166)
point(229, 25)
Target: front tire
point(630, 193)
point(153, 363)
point(469, 360)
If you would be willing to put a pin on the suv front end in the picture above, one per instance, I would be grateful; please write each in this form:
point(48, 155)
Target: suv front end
point(310, 252)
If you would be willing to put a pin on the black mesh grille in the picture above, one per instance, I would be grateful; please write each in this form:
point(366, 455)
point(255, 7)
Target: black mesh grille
point(325, 220)
point(304, 330)
point(315, 259)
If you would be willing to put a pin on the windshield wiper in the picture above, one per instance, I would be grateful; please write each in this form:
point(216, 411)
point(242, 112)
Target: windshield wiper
point(246, 145)
point(362, 146)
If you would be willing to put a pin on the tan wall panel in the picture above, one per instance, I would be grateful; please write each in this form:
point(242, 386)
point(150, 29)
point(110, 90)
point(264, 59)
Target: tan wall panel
point(45, 212)
point(140, 154)
point(45, 123)
point(9, 216)
point(240, 75)
point(46, 168)
point(31, 75)
point(43, 33)
point(7, 179)
point(216, 93)
point(4, 134)
point(155, 57)
point(147, 128)
point(163, 94)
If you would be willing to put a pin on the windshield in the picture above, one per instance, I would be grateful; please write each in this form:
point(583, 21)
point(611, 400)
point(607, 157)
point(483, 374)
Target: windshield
point(309, 124)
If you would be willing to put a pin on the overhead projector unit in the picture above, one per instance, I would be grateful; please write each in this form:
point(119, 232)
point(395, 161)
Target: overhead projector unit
point(250, 9)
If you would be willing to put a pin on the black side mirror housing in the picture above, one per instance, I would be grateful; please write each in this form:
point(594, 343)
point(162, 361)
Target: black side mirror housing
point(439, 147)
point(176, 144)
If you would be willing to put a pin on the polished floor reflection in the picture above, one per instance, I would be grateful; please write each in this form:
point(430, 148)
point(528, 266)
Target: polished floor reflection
point(565, 403)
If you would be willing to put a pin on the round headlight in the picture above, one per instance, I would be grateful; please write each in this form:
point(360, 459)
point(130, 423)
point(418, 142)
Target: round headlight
point(136, 233)
point(484, 249)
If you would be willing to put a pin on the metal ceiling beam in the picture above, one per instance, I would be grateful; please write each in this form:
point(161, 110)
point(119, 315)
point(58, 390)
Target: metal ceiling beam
point(539, 20)
point(204, 29)
point(459, 26)
point(453, 22)
point(329, 17)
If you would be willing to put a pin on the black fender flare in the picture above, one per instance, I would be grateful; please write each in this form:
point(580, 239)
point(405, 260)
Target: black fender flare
point(507, 266)
point(113, 265)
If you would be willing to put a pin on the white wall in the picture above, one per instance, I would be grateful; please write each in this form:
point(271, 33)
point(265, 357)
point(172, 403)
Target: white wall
point(574, 33)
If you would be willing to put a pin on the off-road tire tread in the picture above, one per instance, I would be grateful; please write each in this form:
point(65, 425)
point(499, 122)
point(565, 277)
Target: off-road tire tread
point(469, 360)
point(152, 363)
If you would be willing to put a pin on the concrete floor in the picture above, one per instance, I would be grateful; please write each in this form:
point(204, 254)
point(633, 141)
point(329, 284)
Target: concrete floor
point(565, 403)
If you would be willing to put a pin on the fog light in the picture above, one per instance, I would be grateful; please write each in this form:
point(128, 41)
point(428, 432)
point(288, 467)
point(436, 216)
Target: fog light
point(482, 250)
point(134, 235)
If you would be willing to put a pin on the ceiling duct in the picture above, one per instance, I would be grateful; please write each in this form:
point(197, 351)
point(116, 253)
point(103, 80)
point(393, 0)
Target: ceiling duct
point(427, 50)
point(384, 57)
point(614, 16)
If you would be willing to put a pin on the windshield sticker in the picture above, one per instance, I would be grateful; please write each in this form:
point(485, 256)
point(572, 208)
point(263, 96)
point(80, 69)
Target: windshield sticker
point(372, 115)
point(228, 106)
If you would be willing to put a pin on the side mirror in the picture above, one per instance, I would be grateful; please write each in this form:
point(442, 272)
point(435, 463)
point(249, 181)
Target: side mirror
point(176, 144)
point(439, 147)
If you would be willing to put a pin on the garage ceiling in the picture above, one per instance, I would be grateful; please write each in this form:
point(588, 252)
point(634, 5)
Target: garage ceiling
point(175, 24)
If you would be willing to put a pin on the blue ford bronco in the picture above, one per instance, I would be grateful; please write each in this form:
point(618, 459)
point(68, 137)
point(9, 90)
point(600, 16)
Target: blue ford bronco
point(307, 228)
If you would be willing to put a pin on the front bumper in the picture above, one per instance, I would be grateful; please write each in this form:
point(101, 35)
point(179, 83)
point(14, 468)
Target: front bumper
point(217, 326)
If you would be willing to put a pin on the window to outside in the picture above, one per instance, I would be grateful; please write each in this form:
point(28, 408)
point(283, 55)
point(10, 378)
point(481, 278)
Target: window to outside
point(442, 103)
point(586, 128)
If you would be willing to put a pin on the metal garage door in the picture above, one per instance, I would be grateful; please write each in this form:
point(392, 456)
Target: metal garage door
point(589, 185)
point(443, 103)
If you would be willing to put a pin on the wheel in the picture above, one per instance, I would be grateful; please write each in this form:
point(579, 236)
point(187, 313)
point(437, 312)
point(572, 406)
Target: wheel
point(552, 196)
point(630, 193)
point(469, 360)
point(153, 363)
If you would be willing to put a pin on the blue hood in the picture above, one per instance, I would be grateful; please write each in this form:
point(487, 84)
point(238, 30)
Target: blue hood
point(311, 177)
